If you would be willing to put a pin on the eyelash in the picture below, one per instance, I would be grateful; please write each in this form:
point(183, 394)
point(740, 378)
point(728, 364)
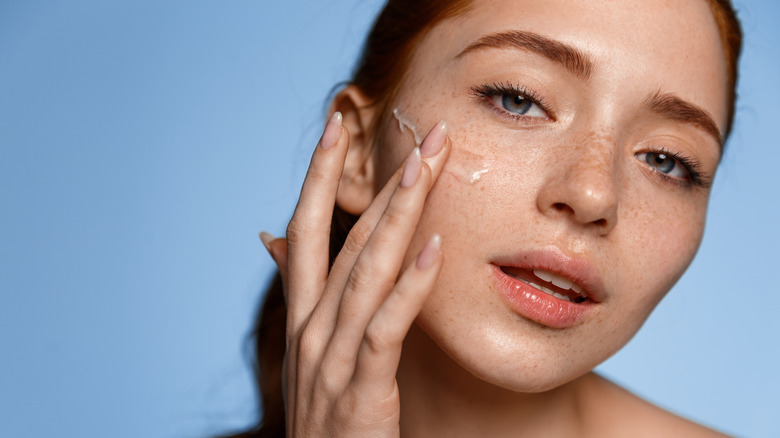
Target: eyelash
point(486, 92)
point(692, 167)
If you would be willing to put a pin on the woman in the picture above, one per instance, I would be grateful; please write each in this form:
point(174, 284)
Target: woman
point(560, 192)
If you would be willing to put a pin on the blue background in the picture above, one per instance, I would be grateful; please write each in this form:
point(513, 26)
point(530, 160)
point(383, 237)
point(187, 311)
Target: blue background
point(144, 145)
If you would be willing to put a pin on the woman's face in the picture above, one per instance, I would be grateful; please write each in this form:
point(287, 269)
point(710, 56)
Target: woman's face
point(585, 136)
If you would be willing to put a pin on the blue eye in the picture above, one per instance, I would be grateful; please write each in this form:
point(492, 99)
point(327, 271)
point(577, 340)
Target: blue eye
point(664, 163)
point(519, 104)
point(516, 104)
point(513, 101)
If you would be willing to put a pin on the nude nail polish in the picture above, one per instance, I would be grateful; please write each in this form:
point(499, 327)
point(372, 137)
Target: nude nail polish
point(266, 238)
point(412, 169)
point(429, 253)
point(434, 140)
point(332, 131)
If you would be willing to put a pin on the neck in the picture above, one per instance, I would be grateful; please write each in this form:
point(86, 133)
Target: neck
point(440, 398)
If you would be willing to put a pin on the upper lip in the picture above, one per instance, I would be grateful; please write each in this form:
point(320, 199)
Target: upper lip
point(552, 259)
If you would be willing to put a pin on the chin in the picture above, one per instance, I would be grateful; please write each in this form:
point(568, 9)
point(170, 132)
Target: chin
point(529, 359)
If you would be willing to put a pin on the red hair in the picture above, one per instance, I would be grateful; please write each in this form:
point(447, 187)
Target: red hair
point(731, 42)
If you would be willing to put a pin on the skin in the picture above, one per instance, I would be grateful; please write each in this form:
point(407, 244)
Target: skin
point(571, 177)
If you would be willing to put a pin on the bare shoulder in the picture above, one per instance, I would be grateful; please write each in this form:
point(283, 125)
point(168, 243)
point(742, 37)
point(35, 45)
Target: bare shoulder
point(615, 410)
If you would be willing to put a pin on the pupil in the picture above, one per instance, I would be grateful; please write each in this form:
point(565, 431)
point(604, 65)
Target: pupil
point(516, 104)
point(662, 162)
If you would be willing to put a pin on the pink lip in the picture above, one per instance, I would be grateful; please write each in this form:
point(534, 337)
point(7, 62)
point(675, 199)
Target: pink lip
point(539, 306)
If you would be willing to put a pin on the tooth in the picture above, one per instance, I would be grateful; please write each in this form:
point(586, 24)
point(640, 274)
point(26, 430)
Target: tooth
point(555, 294)
point(547, 290)
point(561, 282)
point(544, 275)
point(576, 288)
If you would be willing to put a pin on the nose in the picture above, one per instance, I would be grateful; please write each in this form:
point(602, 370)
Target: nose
point(581, 187)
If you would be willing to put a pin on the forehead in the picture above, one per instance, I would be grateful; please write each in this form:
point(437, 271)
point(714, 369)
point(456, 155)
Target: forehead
point(649, 45)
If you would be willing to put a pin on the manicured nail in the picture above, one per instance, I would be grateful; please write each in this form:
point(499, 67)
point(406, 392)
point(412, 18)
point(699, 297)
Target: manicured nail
point(332, 131)
point(434, 140)
point(429, 253)
point(266, 238)
point(412, 169)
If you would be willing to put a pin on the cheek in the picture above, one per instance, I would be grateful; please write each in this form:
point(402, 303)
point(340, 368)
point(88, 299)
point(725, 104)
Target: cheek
point(669, 236)
point(660, 240)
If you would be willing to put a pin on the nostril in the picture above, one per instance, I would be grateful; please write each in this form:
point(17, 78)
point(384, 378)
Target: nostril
point(564, 207)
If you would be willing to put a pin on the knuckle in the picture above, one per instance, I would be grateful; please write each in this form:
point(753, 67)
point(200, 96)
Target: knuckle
point(380, 338)
point(358, 278)
point(357, 238)
point(366, 276)
point(308, 344)
point(396, 217)
point(297, 230)
point(329, 385)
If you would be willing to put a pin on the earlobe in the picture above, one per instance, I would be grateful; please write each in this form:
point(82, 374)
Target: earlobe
point(356, 189)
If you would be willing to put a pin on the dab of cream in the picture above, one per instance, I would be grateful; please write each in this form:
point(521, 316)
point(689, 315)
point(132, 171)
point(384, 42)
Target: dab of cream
point(476, 176)
point(404, 124)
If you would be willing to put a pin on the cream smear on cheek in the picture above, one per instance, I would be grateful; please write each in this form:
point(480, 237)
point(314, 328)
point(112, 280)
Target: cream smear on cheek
point(404, 124)
point(463, 170)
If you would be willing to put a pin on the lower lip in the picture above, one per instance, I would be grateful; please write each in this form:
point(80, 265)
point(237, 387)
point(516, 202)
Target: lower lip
point(539, 306)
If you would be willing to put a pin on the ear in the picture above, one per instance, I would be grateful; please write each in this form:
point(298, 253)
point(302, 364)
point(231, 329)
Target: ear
point(356, 189)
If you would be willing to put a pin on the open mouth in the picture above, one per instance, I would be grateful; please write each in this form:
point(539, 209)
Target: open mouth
point(549, 283)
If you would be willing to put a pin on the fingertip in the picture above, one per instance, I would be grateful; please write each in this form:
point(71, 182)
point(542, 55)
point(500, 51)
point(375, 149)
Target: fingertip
point(266, 238)
point(332, 131)
point(435, 140)
point(411, 168)
point(276, 247)
point(429, 253)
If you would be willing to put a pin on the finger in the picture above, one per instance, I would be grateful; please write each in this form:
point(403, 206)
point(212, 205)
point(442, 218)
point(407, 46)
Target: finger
point(376, 269)
point(277, 248)
point(380, 350)
point(437, 146)
point(309, 228)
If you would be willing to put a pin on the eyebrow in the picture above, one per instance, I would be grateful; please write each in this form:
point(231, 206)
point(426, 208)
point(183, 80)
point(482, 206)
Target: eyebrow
point(571, 58)
point(672, 107)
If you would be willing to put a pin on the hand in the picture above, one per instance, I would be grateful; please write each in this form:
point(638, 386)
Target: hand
point(345, 328)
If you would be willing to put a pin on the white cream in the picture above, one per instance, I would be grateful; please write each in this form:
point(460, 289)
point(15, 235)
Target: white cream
point(476, 176)
point(467, 176)
point(404, 124)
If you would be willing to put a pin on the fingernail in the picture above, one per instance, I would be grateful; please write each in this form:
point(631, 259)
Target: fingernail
point(434, 140)
point(429, 253)
point(332, 131)
point(266, 238)
point(412, 169)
